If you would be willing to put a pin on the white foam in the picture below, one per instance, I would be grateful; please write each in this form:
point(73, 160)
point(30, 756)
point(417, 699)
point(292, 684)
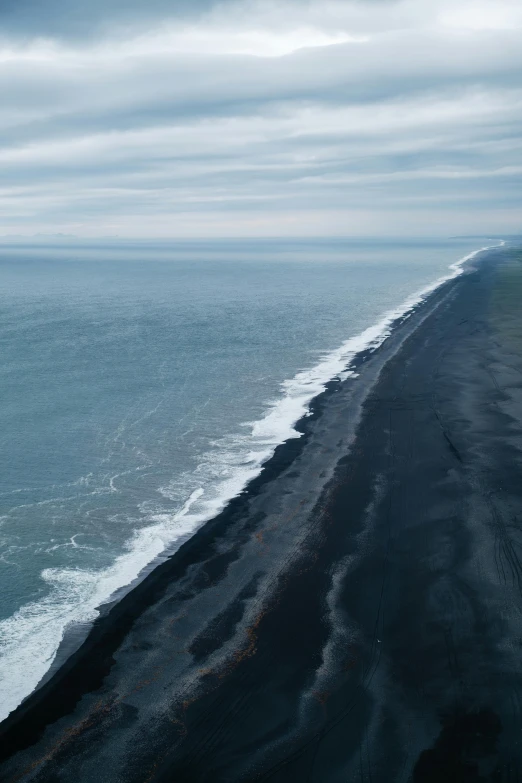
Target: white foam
point(30, 638)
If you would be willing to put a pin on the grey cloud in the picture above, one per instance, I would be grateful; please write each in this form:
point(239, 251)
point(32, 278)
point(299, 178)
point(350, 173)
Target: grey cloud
point(90, 97)
point(407, 123)
point(79, 19)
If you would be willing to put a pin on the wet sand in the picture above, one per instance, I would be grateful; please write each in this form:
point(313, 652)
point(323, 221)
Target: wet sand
point(356, 615)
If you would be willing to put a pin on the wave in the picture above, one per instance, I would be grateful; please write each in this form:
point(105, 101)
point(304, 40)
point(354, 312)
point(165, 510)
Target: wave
point(30, 638)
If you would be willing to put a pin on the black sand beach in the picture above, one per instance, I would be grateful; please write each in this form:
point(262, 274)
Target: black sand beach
point(356, 615)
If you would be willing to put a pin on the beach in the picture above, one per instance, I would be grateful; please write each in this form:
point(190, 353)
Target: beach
point(355, 614)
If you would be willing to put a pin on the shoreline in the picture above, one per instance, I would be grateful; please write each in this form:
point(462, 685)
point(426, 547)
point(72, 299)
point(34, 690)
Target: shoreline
point(86, 670)
point(337, 363)
point(283, 457)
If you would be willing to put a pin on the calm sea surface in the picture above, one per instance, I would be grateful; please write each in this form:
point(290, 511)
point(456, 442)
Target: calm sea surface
point(142, 385)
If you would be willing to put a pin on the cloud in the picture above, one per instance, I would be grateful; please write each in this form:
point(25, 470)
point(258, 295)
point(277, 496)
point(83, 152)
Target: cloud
point(75, 19)
point(272, 117)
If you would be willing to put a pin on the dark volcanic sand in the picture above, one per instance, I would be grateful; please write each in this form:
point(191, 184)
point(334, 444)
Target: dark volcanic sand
point(356, 615)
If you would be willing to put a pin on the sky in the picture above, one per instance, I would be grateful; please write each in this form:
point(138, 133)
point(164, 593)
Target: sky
point(180, 118)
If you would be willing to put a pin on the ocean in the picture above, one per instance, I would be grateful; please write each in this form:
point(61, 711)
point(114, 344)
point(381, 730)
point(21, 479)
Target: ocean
point(145, 383)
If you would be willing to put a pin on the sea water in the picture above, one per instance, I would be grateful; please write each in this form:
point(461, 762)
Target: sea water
point(144, 384)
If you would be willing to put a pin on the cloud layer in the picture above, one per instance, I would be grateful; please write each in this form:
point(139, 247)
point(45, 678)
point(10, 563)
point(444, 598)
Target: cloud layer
point(260, 118)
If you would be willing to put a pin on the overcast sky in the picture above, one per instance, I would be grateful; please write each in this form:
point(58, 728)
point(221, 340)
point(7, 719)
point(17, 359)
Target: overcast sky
point(275, 117)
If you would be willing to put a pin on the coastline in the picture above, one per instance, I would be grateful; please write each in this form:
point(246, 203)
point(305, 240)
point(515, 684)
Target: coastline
point(275, 493)
point(274, 428)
